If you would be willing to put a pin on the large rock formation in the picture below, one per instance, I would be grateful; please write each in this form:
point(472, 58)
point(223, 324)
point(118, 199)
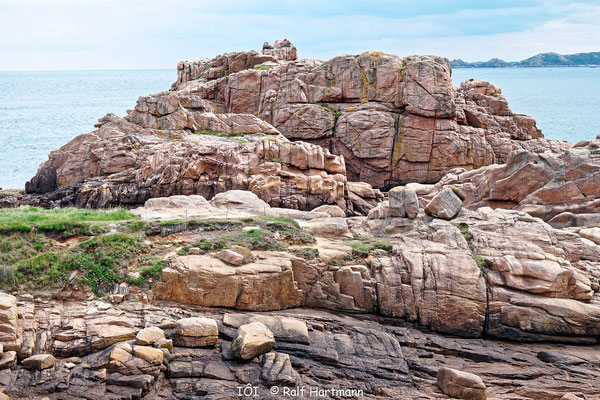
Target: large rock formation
point(127, 161)
point(373, 117)
point(395, 120)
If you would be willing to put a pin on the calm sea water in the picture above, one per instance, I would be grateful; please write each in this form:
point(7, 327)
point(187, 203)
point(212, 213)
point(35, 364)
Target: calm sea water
point(564, 101)
point(41, 111)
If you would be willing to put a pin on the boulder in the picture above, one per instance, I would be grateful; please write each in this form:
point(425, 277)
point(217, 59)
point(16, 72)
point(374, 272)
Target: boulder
point(8, 359)
point(196, 332)
point(334, 211)
point(149, 336)
point(231, 257)
point(39, 361)
point(592, 234)
point(328, 227)
point(239, 200)
point(445, 204)
point(253, 339)
point(460, 384)
point(286, 329)
point(403, 203)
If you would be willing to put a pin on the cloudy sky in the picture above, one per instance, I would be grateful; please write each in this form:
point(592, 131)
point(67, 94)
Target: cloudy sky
point(129, 34)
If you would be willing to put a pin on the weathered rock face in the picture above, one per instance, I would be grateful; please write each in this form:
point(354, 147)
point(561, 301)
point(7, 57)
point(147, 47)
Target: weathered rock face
point(395, 120)
point(266, 284)
point(124, 163)
point(383, 358)
point(494, 273)
point(544, 185)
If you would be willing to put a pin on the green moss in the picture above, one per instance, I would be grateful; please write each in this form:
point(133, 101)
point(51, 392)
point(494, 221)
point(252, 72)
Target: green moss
point(362, 247)
point(276, 160)
point(483, 263)
point(337, 113)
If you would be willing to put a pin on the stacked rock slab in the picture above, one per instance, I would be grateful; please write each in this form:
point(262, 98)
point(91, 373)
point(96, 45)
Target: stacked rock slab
point(9, 333)
point(395, 120)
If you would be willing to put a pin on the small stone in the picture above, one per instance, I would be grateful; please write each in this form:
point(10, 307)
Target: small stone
point(164, 344)
point(39, 361)
point(460, 384)
point(117, 298)
point(102, 306)
point(231, 257)
point(149, 336)
point(252, 340)
point(150, 354)
point(248, 256)
point(196, 332)
point(194, 251)
point(8, 359)
point(70, 365)
point(134, 275)
point(1, 349)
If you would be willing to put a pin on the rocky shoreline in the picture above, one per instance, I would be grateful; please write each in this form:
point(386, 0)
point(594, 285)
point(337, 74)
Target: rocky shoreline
point(357, 224)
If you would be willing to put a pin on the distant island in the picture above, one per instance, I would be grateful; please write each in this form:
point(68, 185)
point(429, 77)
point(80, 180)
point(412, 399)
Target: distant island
point(539, 60)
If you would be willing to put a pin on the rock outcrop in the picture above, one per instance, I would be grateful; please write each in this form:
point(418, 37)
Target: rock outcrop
point(395, 120)
point(377, 358)
point(543, 185)
point(372, 117)
point(126, 163)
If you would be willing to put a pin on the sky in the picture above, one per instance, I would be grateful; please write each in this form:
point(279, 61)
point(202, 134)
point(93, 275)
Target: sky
point(152, 34)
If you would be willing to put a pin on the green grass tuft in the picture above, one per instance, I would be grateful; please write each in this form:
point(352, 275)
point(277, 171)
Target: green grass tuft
point(67, 221)
point(265, 67)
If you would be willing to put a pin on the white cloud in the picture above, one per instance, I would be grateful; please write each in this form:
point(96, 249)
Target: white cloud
point(98, 34)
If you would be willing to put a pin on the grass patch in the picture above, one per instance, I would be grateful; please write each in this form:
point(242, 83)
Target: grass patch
point(483, 263)
point(99, 261)
point(66, 221)
point(153, 271)
point(308, 253)
point(362, 247)
point(265, 67)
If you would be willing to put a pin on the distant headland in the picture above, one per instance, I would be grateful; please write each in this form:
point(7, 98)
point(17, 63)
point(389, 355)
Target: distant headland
point(539, 60)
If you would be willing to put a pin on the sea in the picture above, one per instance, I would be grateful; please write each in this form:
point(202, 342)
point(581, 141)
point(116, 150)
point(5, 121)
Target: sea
point(42, 110)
